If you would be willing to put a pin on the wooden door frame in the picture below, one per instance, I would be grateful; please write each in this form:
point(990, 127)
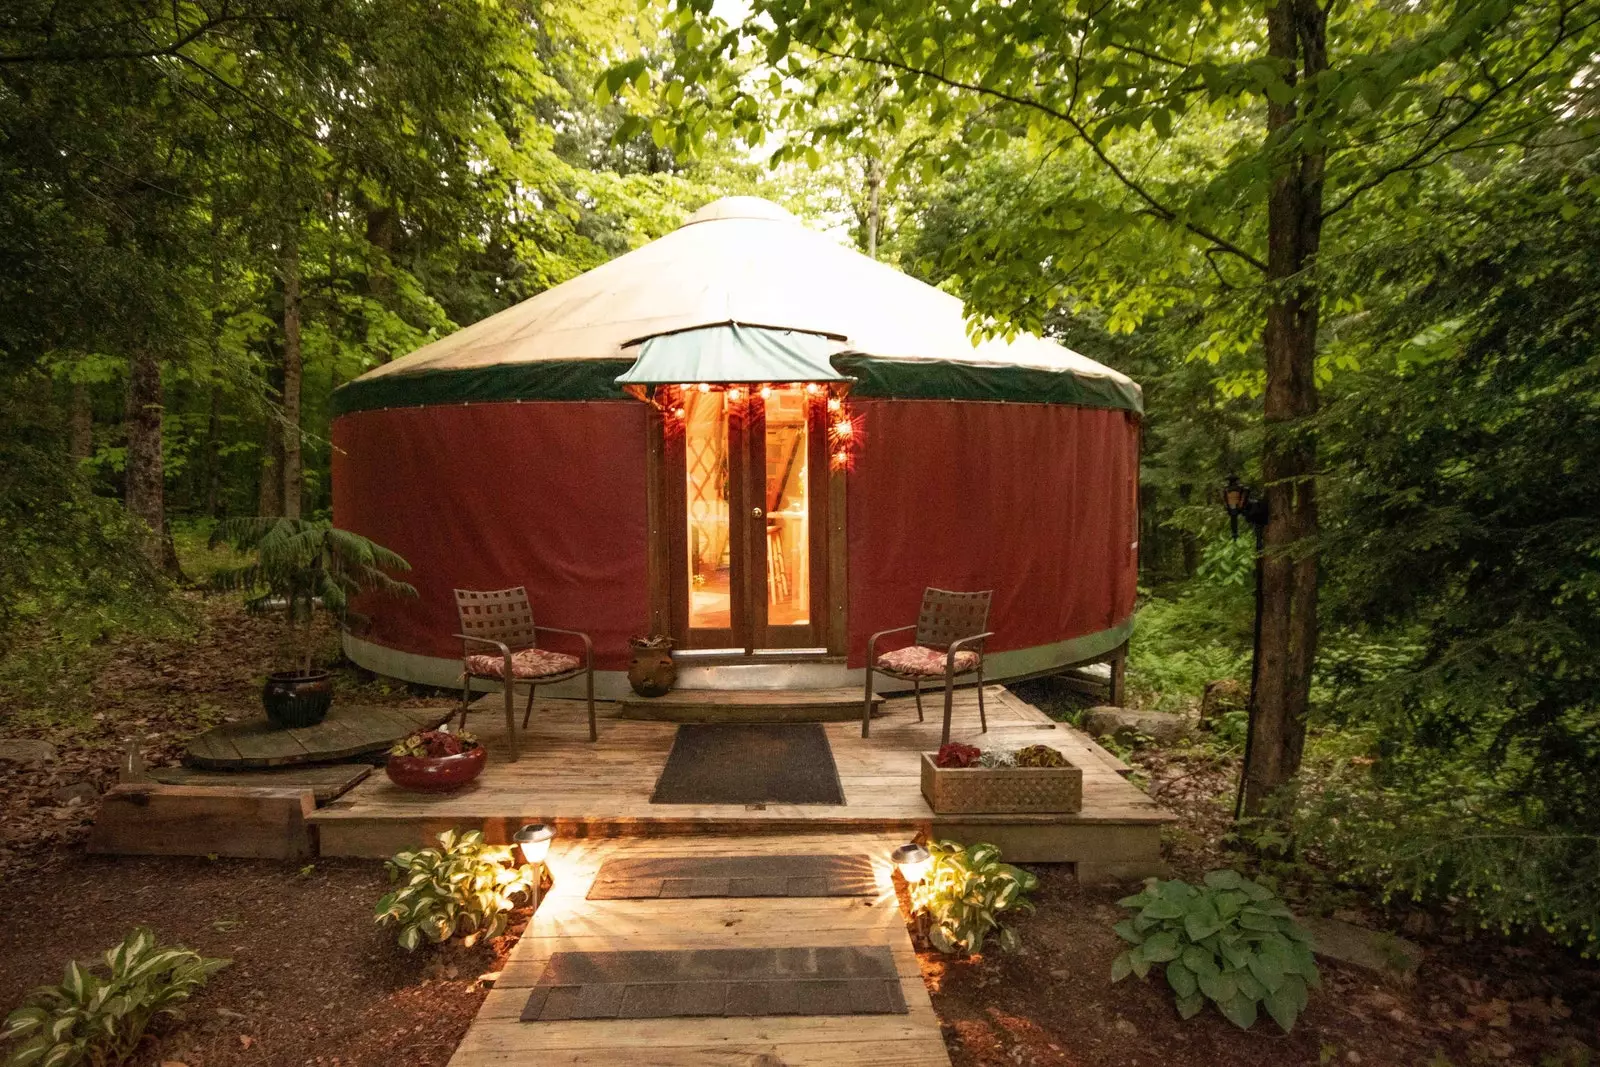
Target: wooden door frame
point(667, 574)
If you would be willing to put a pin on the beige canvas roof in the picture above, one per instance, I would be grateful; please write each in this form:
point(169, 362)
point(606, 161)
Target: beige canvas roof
point(743, 260)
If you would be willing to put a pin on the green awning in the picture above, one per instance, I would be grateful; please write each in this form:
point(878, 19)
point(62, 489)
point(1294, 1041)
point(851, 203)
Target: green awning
point(733, 353)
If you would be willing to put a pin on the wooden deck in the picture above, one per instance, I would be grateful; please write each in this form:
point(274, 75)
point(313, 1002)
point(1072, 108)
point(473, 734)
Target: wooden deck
point(350, 731)
point(567, 921)
point(749, 705)
point(603, 790)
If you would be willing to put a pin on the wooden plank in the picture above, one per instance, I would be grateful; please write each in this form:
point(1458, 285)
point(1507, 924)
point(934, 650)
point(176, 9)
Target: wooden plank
point(347, 733)
point(152, 819)
point(326, 782)
point(749, 705)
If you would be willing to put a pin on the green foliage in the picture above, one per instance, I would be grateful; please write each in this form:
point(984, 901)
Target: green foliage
point(462, 887)
point(1179, 645)
point(1229, 941)
point(303, 564)
point(99, 1020)
point(967, 892)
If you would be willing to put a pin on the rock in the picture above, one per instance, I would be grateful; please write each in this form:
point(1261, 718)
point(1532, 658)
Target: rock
point(1371, 950)
point(1125, 724)
point(1123, 1026)
point(25, 750)
point(1221, 696)
point(77, 793)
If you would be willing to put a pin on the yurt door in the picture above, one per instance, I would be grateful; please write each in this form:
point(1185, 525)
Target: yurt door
point(748, 478)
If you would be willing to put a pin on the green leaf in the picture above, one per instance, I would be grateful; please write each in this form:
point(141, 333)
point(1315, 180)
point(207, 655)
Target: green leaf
point(1239, 1009)
point(1181, 979)
point(1161, 947)
point(1219, 987)
point(1121, 967)
point(1189, 1007)
point(1284, 1006)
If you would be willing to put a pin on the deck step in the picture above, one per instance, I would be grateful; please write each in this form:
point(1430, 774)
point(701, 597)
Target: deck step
point(749, 705)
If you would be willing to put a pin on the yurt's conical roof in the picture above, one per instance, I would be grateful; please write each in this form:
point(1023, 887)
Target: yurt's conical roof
point(741, 260)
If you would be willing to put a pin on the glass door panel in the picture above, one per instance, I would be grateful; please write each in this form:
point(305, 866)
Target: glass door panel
point(787, 494)
point(707, 485)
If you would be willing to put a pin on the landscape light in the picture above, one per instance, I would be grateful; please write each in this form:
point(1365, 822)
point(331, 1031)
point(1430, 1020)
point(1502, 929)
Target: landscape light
point(534, 841)
point(912, 861)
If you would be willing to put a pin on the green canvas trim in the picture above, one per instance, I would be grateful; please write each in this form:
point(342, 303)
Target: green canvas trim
point(941, 380)
point(564, 379)
point(595, 379)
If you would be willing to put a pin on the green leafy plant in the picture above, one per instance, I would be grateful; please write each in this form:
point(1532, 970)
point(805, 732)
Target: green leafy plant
point(300, 565)
point(1229, 941)
point(462, 887)
point(965, 893)
point(99, 1020)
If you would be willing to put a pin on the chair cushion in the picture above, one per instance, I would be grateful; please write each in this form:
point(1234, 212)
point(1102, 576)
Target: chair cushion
point(525, 663)
point(926, 662)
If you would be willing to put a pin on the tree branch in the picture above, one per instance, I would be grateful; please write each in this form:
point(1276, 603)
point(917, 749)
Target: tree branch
point(1160, 210)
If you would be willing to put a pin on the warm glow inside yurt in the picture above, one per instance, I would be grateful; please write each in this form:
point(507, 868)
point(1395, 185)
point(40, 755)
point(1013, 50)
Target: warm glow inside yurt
point(756, 441)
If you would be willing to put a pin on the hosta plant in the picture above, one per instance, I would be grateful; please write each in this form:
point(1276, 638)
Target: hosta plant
point(1229, 941)
point(97, 1019)
point(965, 894)
point(462, 887)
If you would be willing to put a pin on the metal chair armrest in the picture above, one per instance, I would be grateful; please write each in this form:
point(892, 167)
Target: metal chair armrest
point(872, 642)
point(504, 651)
point(588, 645)
point(955, 646)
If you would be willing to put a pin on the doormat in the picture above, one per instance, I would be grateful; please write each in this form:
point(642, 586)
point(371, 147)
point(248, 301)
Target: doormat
point(749, 763)
point(650, 877)
point(717, 982)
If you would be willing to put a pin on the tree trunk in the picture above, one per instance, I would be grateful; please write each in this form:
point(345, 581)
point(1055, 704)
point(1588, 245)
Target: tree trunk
point(80, 442)
point(145, 475)
point(292, 365)
point(874, 216)
point(1296, 37)
point(381, 225)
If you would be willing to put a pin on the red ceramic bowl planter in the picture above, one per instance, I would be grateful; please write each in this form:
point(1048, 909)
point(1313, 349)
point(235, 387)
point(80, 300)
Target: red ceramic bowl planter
point(436, 774)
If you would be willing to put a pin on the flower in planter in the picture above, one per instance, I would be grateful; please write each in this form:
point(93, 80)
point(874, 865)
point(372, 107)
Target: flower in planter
point(955, 754)
point(1040, 756)
point(433, 744)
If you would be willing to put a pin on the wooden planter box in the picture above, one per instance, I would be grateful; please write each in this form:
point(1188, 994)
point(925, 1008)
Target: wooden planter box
point(1000, 790)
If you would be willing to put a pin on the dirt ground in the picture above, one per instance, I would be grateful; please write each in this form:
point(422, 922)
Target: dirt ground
point(315, 981)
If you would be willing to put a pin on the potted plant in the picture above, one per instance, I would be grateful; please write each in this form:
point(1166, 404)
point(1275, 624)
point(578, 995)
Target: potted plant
point(966, 780)
point(435, 761)
point(301, 565)
point(652, 671)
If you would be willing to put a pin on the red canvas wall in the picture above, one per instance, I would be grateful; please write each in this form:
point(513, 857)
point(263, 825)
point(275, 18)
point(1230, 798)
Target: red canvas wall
point(484, 496)
point(1034, 501)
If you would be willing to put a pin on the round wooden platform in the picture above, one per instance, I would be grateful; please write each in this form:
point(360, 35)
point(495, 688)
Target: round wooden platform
point(349, 731)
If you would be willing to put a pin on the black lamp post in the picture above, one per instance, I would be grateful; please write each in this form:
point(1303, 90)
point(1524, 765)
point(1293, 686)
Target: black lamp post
point(1240, 503)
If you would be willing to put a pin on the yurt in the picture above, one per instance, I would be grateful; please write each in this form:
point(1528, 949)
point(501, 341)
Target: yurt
point(756, 441)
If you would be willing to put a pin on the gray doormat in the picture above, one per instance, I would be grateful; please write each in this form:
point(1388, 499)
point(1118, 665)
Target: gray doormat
point(717, 982)
point(649, 877)
point(754, 763)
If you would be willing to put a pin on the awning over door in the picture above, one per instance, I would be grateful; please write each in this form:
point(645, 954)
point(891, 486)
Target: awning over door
point(733, 353)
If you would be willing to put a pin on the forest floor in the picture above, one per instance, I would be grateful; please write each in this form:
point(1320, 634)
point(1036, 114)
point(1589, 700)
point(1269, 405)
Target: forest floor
point(315, 981)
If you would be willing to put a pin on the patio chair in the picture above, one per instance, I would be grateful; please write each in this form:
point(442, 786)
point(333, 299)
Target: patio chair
point(502, 619)
point(948, 643)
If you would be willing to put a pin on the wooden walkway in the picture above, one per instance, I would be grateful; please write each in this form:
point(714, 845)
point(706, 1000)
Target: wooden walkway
point(349, 731)
point(603, 790)
point(567, 921)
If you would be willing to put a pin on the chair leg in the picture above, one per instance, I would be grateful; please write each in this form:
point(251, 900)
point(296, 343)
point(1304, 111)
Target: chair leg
point(594, 729)
point(983, 716)
point(866, 707)
point(528, 714)
point(509, 687)
point(949, 704)
point(466, 698)
point(917, 683)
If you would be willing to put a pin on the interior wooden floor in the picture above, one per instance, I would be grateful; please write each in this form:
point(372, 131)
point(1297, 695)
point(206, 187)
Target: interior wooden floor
point(602, 789)
point(567, 921)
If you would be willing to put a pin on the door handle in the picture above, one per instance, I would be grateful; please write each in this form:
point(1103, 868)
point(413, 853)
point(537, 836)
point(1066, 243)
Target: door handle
point(756, 513)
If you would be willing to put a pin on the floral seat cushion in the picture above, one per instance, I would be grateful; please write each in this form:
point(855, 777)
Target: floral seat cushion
point(525, 663)
point(926, 662)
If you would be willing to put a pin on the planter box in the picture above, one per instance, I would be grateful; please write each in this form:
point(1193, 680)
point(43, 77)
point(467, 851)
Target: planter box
point(1000, 790)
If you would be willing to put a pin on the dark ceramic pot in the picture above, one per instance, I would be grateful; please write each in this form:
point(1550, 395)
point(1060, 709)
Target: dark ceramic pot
point(652, 672)
point(296, 698)
point(436, 774)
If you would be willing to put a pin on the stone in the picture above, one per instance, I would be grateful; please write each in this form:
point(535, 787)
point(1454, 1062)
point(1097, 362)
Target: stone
point(1125, 724)
point(1371, 950)
point(26, 750)
point(1125, 1027)
point(1220, 697)
point(77, 793)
